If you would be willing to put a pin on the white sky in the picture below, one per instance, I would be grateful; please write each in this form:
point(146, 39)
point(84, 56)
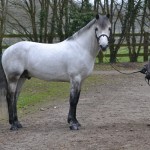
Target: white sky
point(92, 1)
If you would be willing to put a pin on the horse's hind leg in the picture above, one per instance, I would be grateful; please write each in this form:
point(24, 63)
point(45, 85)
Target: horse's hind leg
point(14, 88)
point(74, 98)
point(11, 100)
point(18, 90)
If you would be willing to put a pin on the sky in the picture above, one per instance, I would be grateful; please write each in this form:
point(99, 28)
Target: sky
point(92, 1)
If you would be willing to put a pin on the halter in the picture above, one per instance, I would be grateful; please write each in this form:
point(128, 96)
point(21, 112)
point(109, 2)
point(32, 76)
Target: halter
point(102, 35)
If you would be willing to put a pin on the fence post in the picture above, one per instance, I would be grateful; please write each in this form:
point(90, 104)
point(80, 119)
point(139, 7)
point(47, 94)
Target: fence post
point(145, 46)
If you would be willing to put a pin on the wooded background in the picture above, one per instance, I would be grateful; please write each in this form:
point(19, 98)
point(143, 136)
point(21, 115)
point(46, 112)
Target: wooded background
point(47, 20)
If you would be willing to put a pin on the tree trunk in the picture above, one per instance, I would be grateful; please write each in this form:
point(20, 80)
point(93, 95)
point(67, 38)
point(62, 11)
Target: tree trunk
point(54, 8)
point(3, 92)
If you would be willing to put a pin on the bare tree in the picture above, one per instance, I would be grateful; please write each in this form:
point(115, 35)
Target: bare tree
point(3, 14)
point(34, 20)
point(41, 20)
point(3, 83)
point(126, 17)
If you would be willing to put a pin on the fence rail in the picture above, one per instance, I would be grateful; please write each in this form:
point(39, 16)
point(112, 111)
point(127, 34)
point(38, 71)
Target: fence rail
point(145, 44)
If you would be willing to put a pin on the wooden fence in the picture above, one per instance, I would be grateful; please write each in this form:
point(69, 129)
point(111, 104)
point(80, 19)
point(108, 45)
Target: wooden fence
point(145, 45)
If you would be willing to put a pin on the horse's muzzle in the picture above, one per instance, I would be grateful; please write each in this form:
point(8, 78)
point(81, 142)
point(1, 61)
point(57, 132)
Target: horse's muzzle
point(103, 48)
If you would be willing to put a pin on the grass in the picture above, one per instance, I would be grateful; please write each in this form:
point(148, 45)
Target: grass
point(36, 92)
point(122, 50)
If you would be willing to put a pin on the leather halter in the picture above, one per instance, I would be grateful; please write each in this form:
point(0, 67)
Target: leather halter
point(102, 35)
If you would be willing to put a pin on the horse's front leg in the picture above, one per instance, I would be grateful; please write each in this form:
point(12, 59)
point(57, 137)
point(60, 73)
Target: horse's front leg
point(74, 98)
point(18, 90)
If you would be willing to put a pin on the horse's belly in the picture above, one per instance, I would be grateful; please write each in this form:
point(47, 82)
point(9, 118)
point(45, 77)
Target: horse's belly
point(51, 77)
point(49, 74)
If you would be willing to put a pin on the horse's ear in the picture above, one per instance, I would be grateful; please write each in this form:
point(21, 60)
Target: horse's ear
point(97, 16)
point(108, 15)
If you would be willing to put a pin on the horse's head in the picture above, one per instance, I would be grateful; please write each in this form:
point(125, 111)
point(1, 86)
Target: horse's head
point(102, 31)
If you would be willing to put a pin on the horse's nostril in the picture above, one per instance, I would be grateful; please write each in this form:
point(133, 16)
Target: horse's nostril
point(103, 47)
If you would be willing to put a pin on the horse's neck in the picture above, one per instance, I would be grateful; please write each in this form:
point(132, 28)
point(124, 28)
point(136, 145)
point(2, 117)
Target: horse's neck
point(88, 42)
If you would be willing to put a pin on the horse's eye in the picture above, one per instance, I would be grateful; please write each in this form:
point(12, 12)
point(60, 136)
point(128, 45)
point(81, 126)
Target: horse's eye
point(109, 29)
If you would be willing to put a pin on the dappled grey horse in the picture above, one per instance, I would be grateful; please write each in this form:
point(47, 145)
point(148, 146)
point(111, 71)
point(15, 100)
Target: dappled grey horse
point(71, 60)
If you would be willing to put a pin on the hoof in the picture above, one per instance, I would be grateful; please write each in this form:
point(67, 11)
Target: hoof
point(13, 128)
point(18, 124)
point(74, 126)
point(78, 124)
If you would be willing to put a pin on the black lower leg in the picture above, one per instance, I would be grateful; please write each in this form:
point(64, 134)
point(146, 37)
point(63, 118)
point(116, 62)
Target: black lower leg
point(74, 98)
point(17, 123)
point(10, 108)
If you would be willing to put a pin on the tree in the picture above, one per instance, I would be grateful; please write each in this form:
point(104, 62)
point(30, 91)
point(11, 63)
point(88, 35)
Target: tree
point(3, 83)
point(34, 19)
point(80, 15)
point(3, 14)
point(126, 18)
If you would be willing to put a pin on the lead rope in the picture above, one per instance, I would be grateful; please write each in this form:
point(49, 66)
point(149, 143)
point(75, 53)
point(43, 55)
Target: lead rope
point(146, 80)
point(121, 71)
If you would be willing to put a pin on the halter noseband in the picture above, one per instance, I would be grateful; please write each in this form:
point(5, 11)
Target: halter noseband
point(102, 35)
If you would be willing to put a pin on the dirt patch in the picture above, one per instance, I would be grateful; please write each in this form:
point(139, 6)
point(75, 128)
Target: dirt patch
point(115, 115)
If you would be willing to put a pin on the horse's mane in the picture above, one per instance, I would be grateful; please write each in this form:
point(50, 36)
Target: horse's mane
point(82, 30)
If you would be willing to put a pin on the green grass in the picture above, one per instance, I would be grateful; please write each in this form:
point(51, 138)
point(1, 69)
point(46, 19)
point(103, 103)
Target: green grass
point(124, 50)
point(37, 94)
point(38, 91)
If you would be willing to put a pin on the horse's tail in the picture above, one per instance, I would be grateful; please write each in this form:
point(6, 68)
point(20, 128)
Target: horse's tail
point(3, 93)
